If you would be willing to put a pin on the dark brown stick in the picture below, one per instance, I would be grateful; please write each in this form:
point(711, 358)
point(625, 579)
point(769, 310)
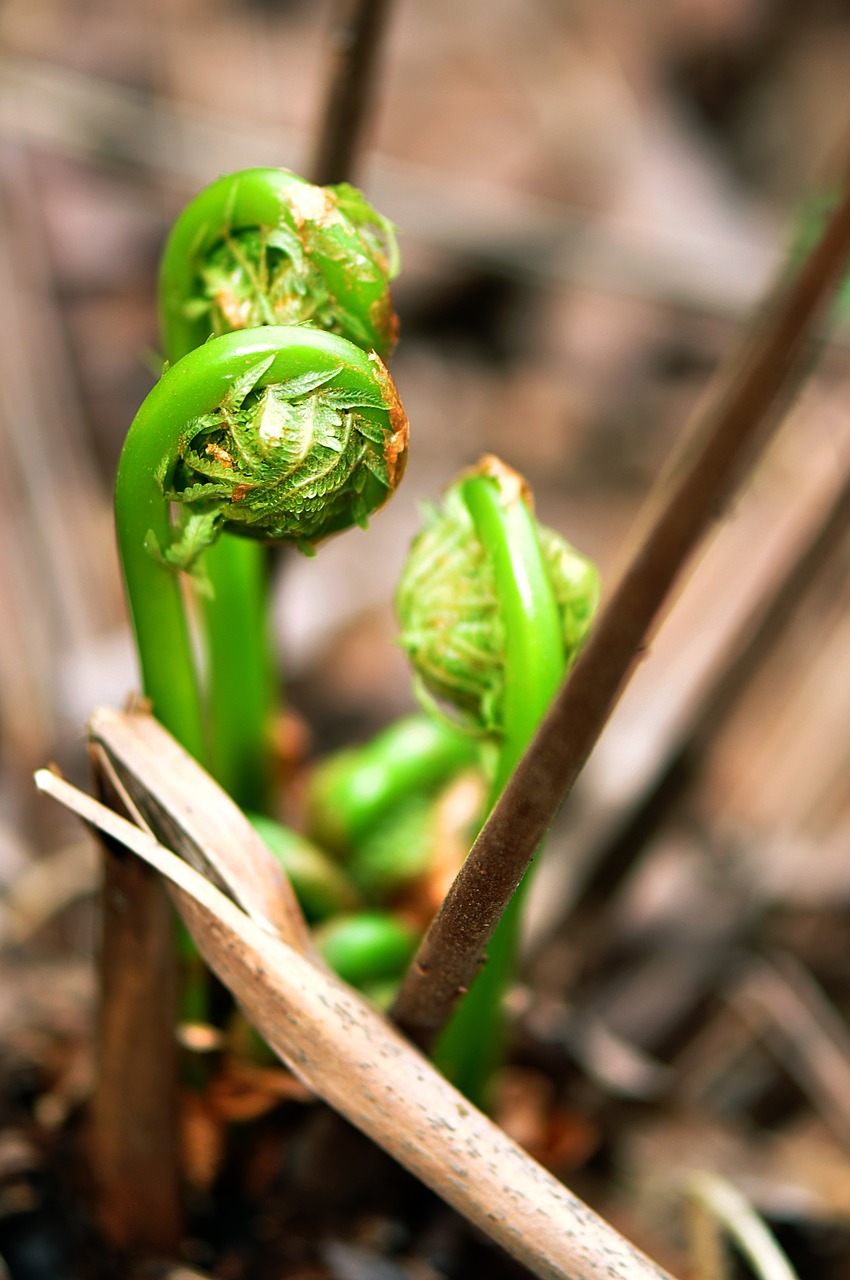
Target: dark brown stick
point(749, 649)
point(354, 46)
point(734, 426)
point(133, 1122)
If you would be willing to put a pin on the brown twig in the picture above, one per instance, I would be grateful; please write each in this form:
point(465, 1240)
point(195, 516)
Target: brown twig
point(735, 424)
point(167, 1271)
point(134, 1107)
point(344, 1050)
point(354, 46)
point(182, 806)
point(753, 642)
point(133, 1129)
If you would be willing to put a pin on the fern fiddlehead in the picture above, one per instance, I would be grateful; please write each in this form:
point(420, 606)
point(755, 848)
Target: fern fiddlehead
point(263, 247)
point(213, 441)
point(493, 608)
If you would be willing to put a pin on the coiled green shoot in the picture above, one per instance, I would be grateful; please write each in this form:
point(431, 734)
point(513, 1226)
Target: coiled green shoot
point(265, 486)
point(493, 609)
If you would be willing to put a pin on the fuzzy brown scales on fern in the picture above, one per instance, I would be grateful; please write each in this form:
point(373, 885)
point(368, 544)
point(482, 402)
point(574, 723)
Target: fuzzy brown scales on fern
point(294, 461)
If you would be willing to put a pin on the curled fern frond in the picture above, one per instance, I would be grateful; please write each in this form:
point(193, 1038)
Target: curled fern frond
point(451, 614)
point(265, 247)
point(284, 434)
point(278, 433)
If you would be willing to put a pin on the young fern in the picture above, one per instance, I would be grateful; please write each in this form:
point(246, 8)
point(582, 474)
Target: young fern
point(275, 433)
point(493, 608)
point(322, 887)
point(265, 247)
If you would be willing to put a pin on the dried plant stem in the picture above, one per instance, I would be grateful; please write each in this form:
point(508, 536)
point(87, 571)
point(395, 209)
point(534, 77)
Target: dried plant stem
point(719, 1206)
point(354, 47)
point(746, 653)
point(133, 1130)
point(342, 1048)
point(792, 1015)
point(180, 803)
point(734, 425)
point(168, 1271)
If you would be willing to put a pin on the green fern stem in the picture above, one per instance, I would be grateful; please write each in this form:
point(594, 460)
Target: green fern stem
point(493, 608)
point(243, 694)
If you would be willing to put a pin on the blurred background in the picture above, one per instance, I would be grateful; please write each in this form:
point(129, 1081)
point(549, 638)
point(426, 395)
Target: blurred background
point(591, 199)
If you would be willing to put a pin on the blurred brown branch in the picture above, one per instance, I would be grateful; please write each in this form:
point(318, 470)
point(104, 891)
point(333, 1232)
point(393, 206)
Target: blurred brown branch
point(689, 497)
point(354, 49)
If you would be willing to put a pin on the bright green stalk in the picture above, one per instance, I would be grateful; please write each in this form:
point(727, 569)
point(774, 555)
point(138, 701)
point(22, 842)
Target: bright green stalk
point(154, 593)
point(534, 664)
point(240, 709)
point(281, 433)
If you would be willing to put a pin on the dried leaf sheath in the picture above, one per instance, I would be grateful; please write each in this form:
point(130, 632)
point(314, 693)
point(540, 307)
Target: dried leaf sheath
point(343, 1049)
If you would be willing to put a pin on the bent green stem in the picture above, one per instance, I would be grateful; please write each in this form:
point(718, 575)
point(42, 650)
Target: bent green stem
point(154, 591)
point(473, 1042)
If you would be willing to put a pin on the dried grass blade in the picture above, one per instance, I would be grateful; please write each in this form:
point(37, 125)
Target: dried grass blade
point(344, 1050)
point(188, 812)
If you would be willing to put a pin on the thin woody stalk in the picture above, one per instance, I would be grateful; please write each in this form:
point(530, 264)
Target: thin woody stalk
point(354, 49)
point(746, 654)
point(730, 432)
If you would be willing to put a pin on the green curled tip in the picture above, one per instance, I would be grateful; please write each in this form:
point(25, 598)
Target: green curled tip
point(278, 433)
point(448, 604)
point(281, 434)
point(264, 246)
